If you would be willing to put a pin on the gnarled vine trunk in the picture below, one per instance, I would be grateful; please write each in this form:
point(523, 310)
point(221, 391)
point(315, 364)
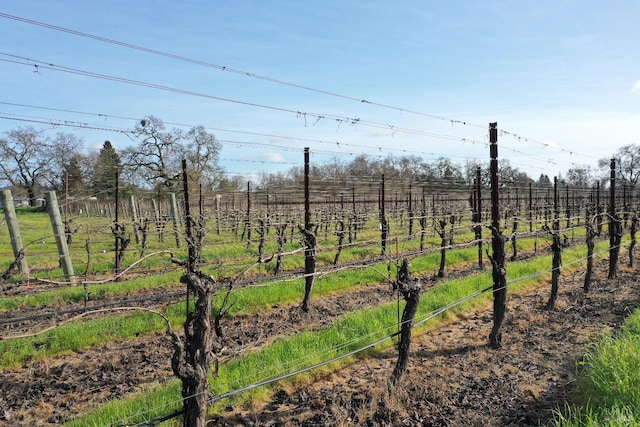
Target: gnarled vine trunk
point(193, 356)
point(410, 290)
point(310, 260)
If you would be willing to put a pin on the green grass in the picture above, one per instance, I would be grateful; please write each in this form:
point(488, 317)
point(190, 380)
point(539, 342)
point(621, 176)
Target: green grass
point(609, 382)
point(350, 331)
point(244, 300)
point(230, 257)
point(76, 336)
point(59, 297)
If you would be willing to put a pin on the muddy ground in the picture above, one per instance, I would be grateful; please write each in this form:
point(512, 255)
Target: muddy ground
point(453, 379)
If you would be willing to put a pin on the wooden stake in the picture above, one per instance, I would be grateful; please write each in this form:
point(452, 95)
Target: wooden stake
point(498, 261)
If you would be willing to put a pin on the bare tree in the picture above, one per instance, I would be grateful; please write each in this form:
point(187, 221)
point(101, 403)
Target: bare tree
point(24, 155)
point(627, 165)
point(65, 162)
point(156, 158)
point(581, 176)
point(201, 149)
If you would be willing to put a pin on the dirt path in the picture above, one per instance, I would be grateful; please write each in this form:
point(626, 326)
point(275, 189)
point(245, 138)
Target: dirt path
point(454, 379)
point(53, 391)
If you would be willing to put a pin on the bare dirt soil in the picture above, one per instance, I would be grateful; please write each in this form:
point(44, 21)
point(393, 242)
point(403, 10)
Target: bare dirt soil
point(453, 379)
point(54, 390)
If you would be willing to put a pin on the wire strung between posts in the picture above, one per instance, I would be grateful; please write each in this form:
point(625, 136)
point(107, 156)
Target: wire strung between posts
point(214, 399)
point(256, 282)
point(232, 70)
point(423, 320)
point(318, 116)
point(503, 132)
point(105, 308)
point(82, 125)
point(267, 135)
point(80, 316)
point(433, 314)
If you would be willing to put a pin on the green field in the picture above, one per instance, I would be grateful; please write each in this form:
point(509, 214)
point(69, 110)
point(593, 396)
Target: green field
point(226, 255)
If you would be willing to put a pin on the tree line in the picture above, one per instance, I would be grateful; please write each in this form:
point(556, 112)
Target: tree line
point(32, 162)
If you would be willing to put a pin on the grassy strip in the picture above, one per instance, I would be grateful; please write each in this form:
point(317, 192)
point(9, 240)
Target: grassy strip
point(235, 254)
point(70, 294)
point(57, 297)
point(349, 332)
point(76, 336)
point(609, 384)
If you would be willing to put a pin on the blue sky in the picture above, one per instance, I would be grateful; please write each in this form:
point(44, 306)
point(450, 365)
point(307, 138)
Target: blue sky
point(563, 76)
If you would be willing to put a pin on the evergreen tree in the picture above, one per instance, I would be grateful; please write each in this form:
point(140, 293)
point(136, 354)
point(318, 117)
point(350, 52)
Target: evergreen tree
point(107, 166)
point(74, 177)
point(544, 181)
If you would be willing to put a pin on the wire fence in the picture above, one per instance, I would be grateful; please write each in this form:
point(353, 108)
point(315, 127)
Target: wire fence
point(241, 240)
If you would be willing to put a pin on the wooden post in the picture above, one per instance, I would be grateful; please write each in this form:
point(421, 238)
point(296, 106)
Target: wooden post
point(598, 210)
point(384, 226)
point(556, 205)
point(307, 195)
point(14, 230)
point(423, 219)
point(191, 242)
point(478, 228)
point(58, 231)
point(116, 226)
point(567, 206)
point(174, 218)
point(354, 216)
point(156, 211)
point(66, 195)
point(498, 261)
point(410, 213)
point(625, 211)
point(530, 208)
point(632, 233)
point(217, 203)
point(353, 199)
point(615, 229)
point(247, 221)
point(309, 237)
point(134, 218)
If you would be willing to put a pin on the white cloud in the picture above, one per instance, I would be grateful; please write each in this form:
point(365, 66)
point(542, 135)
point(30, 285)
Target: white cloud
point(636, 87)
point(274, 157)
